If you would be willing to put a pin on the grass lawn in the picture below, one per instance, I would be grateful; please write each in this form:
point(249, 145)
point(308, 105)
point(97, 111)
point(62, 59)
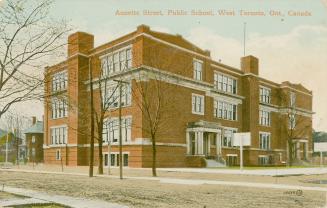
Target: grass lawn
point(263, 168)
point(41, 206)
point(6, 195)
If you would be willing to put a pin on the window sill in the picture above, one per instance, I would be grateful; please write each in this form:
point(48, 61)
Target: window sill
point(56, 92)
point(264, 125)
point(57, 145)
point(267, 150)
point(200, 155)
point(224, 92)
point(224, 119)
point(115, 108)
point(59, 118)
point(198, 113)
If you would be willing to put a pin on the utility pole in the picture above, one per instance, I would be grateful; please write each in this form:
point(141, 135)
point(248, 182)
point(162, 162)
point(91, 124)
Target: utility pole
point(7, 149)
point(109, 149)
point(120, 137)
point(92, 123)
point(120, 82)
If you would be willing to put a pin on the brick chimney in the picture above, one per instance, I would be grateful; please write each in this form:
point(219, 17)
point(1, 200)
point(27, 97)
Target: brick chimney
point(33, 120)
point(250, 64)
point(143, 29)
point(80, 42)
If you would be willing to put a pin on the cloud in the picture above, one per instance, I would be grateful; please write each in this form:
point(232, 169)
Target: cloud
point(298, 56)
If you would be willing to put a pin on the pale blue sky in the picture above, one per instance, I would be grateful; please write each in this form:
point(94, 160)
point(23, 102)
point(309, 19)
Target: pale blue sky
point(98, 15)
point(289, 48)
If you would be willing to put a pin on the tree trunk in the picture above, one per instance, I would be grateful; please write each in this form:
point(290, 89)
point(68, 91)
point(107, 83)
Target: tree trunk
point(92, 124)
point(154, 157)
point(290, 153)
point(100, 165)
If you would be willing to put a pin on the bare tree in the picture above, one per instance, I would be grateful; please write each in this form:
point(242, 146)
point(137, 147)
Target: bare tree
point(153, 96)
point(293, 125)
point(28, 37)
point(106, 100)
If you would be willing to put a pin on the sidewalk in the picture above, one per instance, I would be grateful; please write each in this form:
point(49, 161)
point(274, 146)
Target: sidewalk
point(255, 172)
point(258, 172)
point(195, 181)
point(37, 197)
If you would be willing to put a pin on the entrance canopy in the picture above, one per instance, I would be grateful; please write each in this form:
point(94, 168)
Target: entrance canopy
point(200, 135)
point(204, 126)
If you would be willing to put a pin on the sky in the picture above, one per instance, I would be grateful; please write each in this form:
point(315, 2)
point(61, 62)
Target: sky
point(289, 47)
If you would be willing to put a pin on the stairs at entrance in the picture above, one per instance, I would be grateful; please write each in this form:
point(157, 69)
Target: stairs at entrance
point(215, 162)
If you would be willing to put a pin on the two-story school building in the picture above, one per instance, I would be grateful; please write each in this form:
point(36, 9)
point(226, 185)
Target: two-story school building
point(204, 102)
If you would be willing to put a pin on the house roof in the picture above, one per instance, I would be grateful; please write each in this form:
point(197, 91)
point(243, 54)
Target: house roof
point(319, 136)
point(37, 128)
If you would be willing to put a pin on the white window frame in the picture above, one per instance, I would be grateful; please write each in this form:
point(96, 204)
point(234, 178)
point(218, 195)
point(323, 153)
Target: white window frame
point(198, 104)
point(225, 83)
point(197, 69)
point(33, 139)
point(116, 61)
point(264, 140)
point(231, 110)
point(110, 95)
point(112, 125)
point(266, 159)
point(59, 135)
point(59, 108)
point(264, 118)
point(115, 159)
point(59, 81)
point(229, 140)
point(265, 94)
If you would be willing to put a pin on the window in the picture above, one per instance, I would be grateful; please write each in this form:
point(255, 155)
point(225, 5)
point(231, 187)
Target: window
point(114, 159)
point(292, 99)
point(292, 121)
point(111, 130)
point(263, 160)
point(231, 160)
point(197, 104)
point(111, 96)
point(225, 83)
point(116, 61)
point(264, 118)
point(58, 135)
point(225, 110)
point(125, 159)
point(33, 152)
point(264, 141)
point(58, 155)
point(129, 58)
point(59, 81)
point(105, 159)
point(197, 69)
point(33, 139)
point(59, 108)
point(265, 95)
point(228, 137)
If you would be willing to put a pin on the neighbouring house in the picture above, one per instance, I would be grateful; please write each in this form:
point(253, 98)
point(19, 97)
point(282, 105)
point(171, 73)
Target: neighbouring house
point(209, 102)
point(34, 141)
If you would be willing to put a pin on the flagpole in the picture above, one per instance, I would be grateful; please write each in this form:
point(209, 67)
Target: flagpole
point(244, 32)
